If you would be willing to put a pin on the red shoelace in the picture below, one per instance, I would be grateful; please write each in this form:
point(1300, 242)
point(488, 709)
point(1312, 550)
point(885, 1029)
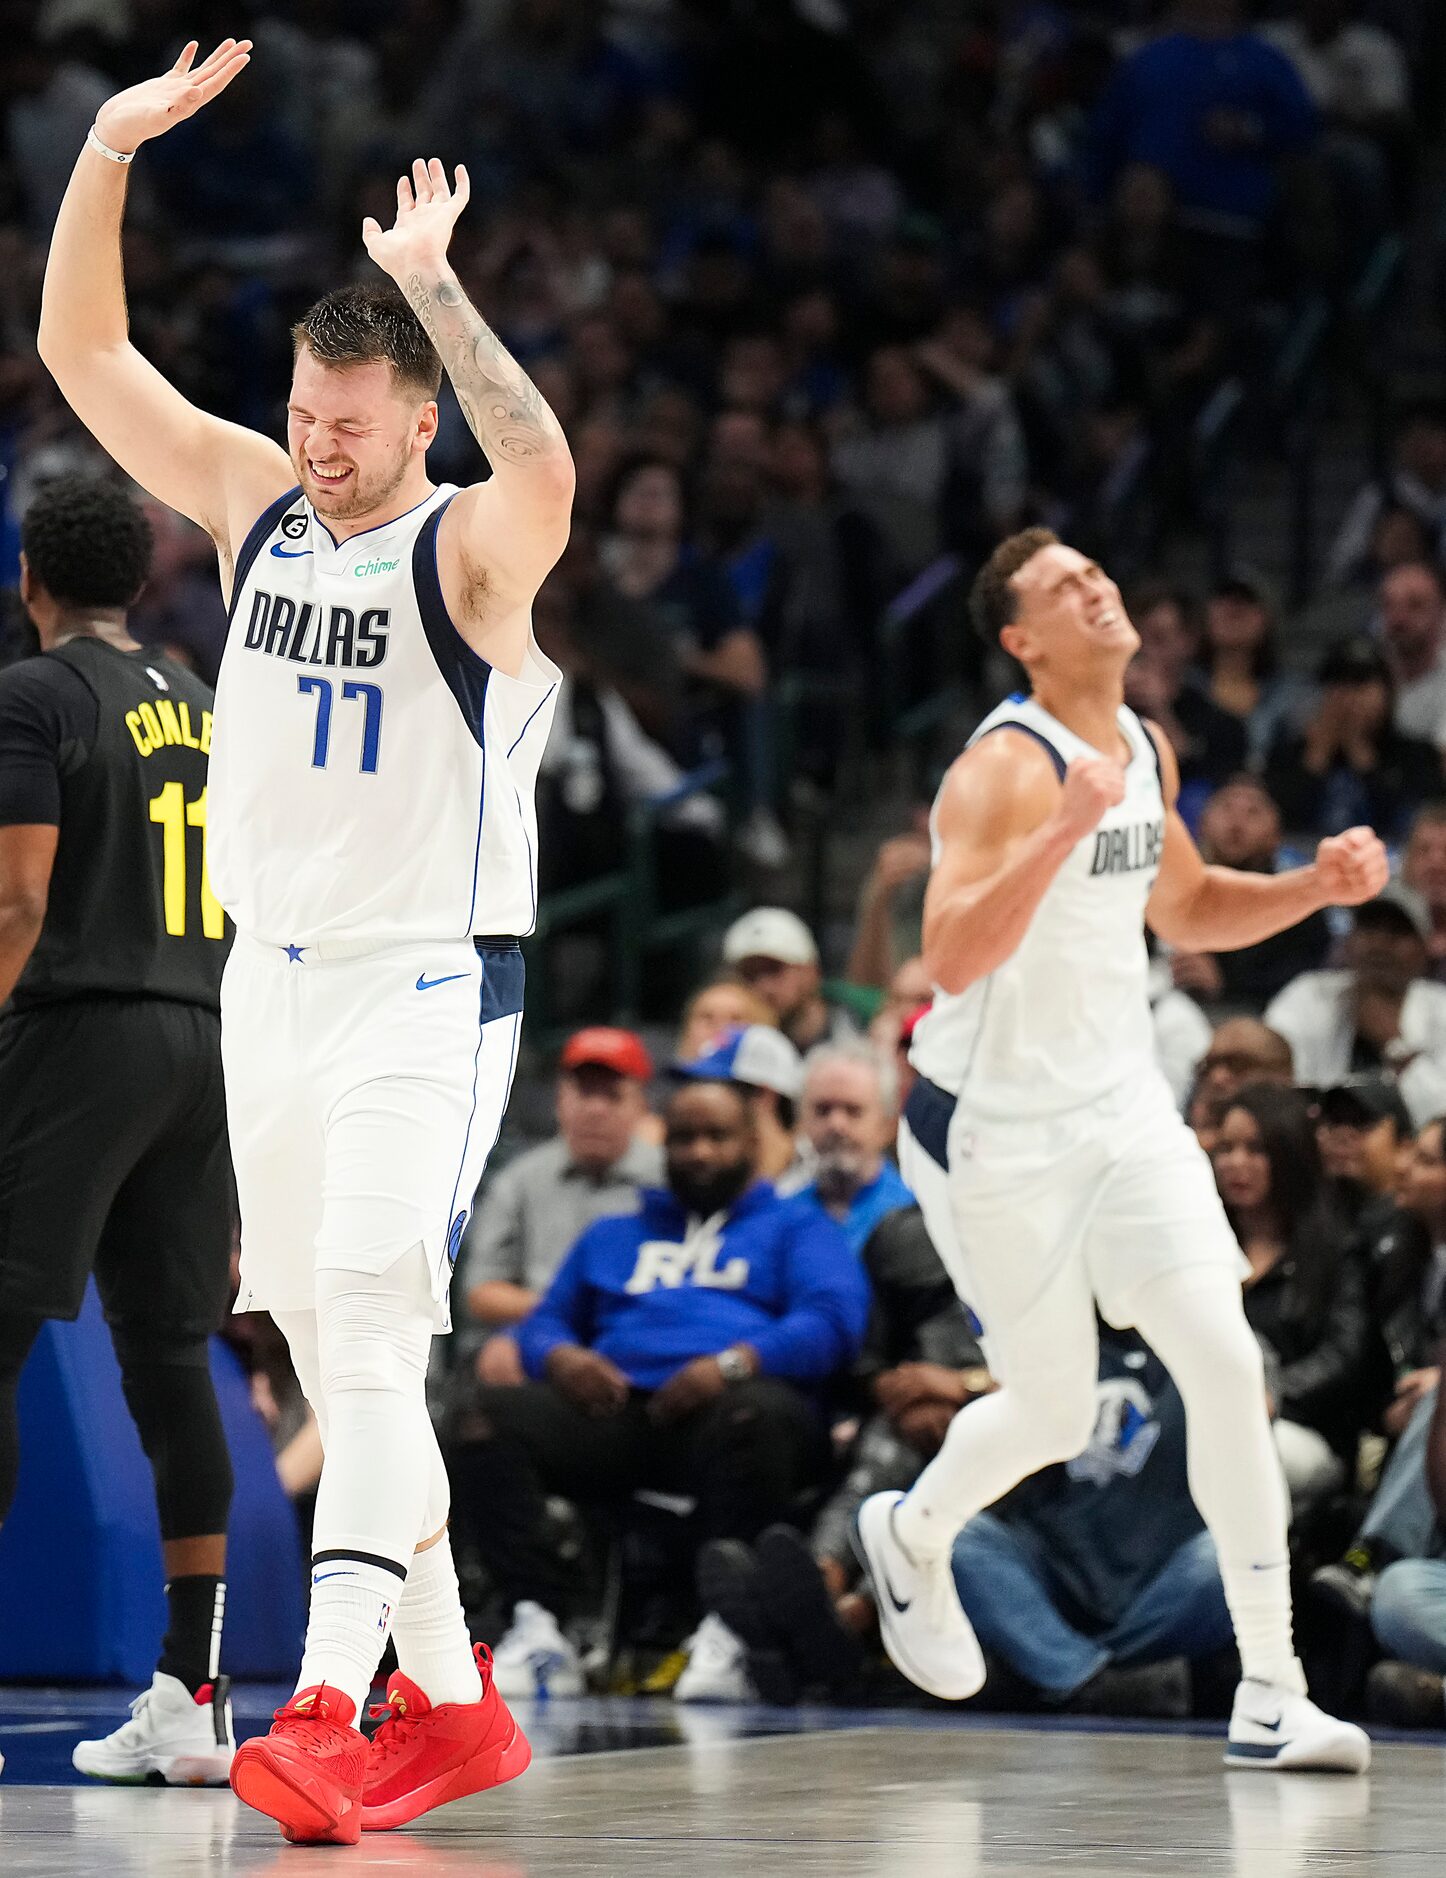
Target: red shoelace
point(395, 1732)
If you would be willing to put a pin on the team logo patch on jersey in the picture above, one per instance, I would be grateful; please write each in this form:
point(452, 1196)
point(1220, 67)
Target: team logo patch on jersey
point(294, 527)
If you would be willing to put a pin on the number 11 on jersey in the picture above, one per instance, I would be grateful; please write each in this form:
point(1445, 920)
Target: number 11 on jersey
point(369, 696)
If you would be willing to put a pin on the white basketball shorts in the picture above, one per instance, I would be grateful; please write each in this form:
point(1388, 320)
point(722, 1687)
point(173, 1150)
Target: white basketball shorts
point(1039, 1221)
point(364, 1093)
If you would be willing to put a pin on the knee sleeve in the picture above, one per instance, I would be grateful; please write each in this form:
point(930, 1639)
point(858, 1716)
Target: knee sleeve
point(172, 1401)
point(380, 1483)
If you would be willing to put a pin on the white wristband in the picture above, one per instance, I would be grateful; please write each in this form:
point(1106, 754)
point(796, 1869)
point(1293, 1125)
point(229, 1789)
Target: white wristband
point(104, 149)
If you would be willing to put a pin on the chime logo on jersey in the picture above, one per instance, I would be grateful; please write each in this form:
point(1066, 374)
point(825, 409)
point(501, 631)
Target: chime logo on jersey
point(1128, 850)
point(312, 634)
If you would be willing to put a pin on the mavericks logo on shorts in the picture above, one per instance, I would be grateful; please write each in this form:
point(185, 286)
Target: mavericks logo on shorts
point(454, 1238)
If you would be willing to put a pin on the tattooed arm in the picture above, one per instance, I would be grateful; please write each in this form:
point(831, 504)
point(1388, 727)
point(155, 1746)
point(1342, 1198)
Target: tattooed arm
point(499, 538)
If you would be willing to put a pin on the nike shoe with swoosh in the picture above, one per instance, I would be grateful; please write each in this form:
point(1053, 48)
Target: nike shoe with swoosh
point(1275, 1728)
point(923, 1624)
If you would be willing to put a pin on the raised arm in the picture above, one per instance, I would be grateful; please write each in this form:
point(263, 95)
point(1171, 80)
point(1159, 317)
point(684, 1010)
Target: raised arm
point(1216, 909)
point(1005, 826)
point(219, 474)
point(500, 538)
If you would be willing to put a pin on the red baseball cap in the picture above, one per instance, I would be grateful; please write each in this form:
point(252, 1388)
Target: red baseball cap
point(605, 1048)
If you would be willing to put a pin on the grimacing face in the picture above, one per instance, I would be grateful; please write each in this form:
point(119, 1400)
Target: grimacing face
point(352, 433)
point(1069, 614)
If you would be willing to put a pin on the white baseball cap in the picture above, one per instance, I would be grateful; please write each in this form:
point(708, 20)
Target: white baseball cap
point(770, 932)
point(755, 1055)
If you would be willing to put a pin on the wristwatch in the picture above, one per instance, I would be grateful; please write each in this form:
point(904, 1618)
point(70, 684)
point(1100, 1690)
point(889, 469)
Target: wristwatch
point(734, 1365)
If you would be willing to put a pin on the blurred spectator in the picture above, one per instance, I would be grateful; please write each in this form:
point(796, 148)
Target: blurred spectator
point(1409, 1690)
point(1351, 765)
point(787, 1613)
point(776, 955)
point(530, 1213)
point(1162, 686)
point(599, 765)
point(1412, 614)
point(1412, 1283)
point(895, 461)
point(180, 606)
point(52, 103)
point(1379, 1012)
point(1414, 483)
point(1242, 1050)
point(1240, 828)
point(682, 1348)
point(1364, 1126)
point(891, 907)
point(1240, 659)
point(759, 1060)
point(1213, 106)
point(1423, 869)
point(910, 992)
point(1304, 1298)
point(724, 1003)
point(849, 1116)
point(1092, 1580)
point(1182, 1031)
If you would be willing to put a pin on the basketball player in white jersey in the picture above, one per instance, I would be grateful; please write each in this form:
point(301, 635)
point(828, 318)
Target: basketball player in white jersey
point(381, 710)
point(1053, 1169)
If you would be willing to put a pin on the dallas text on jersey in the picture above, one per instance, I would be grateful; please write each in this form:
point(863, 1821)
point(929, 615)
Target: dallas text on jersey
point(1127, 850)
point(316, 635)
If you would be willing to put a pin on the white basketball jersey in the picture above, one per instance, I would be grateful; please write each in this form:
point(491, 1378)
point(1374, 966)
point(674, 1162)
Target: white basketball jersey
point(371, 777)
point(1066, 1018)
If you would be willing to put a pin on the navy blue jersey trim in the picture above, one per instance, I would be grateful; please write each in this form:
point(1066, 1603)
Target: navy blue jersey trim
point(929, 1111)
point(376, 525)
point(1153, 742)
point(465, 673)
point(255, 541)
point(1027, 730)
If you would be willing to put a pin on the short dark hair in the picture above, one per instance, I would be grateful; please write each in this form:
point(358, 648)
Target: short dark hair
point(87, 541)
point(370, 321)
point(993, 603)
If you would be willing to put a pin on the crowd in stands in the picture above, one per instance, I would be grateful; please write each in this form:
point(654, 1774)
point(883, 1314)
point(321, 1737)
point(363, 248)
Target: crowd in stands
point(822, 292)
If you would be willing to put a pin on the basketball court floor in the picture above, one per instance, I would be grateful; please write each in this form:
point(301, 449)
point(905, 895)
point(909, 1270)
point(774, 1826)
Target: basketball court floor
point(648, 1790)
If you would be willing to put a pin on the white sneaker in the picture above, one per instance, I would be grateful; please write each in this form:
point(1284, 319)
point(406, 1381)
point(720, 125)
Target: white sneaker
point(923, 1624)
point(534, 1658)
point(1274, 1727)
point(173, 1736)
point(717, 1666)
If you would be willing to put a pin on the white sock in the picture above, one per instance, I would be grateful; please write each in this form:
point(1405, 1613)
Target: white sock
point(352, 1606)
point(430, 1631)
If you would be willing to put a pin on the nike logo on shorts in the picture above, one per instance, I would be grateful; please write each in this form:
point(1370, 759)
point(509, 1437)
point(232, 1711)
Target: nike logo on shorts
point(288, 554)
point(430, 984)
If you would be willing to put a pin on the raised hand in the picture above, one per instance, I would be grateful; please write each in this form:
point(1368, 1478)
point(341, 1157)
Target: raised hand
point(150, 109)
point(1092, 785)
point(1352, 867)
point(427, 210)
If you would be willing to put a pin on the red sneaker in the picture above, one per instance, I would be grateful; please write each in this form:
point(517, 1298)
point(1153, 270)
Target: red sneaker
point(307, 1773)
point(423, 1756)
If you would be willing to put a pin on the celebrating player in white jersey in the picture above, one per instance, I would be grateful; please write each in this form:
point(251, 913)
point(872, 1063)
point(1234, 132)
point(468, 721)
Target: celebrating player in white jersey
point(1041, 1139)
point(381, 710)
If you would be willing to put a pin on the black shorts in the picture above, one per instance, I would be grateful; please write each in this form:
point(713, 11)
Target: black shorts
point(114, 1160)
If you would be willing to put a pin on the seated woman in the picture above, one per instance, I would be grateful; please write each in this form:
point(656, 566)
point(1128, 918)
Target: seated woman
point(1304, 1297)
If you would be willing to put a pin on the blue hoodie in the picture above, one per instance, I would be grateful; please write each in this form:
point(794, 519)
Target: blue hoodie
point(654, 1289)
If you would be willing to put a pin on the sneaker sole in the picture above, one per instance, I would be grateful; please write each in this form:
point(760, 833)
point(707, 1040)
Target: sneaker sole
point(490, 1767)
point(1345, 1756)
point(185, 1770)
point(899, 1655)
point(308, 1811)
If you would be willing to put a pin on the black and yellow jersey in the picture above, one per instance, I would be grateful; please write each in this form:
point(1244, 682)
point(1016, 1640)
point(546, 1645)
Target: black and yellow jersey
point(111, 747)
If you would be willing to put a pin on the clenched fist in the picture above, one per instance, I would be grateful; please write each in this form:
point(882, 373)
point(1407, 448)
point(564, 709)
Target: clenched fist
point(1352, 867)
point(1092, 786)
